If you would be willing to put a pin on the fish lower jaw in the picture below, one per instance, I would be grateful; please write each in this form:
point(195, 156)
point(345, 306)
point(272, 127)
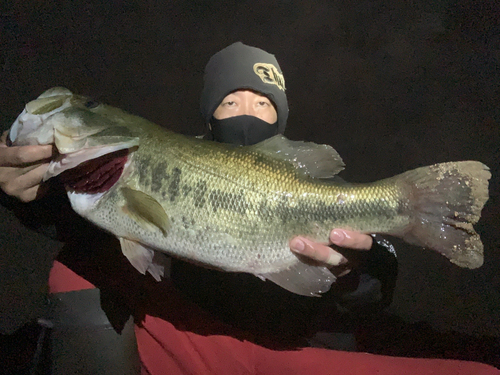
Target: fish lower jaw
point(34, 129)
point(26, 128)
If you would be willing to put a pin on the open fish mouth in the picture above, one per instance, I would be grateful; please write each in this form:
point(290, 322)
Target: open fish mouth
point(58, 117)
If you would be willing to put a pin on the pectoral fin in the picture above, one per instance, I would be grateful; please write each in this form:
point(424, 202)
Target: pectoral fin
point(145, 210)
point(145, 259)
point(303, 279)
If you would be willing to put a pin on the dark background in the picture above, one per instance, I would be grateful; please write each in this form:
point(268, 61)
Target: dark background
point(392, 85)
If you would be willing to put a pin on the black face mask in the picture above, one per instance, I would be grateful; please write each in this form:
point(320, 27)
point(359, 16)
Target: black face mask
point(242, 130)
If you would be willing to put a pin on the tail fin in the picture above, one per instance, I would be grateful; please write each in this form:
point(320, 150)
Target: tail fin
point(445, 200)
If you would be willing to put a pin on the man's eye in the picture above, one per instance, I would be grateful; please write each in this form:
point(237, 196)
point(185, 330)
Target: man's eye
point(230, 103)
point(263, 103)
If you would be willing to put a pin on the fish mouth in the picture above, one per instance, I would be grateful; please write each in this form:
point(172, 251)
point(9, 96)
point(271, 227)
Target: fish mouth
point(29, 128)
point(96, 175)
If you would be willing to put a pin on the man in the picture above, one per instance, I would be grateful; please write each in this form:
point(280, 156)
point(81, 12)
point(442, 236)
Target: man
point(236, 112)
point(244, 102)
point(244, 325)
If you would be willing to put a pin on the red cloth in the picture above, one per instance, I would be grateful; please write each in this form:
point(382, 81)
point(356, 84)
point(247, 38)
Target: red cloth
point(62, 279)
point(171, 349)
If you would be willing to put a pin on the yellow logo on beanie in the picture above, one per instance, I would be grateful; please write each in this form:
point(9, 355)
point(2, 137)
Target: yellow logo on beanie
point(269, 74)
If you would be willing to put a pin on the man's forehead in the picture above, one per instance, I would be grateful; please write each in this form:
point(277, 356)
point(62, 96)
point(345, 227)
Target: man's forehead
point(247, 92)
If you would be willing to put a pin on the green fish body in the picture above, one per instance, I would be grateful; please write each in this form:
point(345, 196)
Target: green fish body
point(236, 208)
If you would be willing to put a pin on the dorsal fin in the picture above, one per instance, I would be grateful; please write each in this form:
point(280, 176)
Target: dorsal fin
point(311, 159)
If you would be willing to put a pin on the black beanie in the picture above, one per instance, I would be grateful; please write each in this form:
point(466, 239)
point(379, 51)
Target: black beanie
point(243, 67)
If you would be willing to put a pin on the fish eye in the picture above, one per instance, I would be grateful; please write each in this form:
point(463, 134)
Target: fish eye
point(91, 104)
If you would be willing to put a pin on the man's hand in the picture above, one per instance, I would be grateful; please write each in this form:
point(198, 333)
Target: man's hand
point(322, 253)
point(22, 169)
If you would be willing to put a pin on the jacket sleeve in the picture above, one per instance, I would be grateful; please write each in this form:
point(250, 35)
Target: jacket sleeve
point(28, 247)
point(370, 285)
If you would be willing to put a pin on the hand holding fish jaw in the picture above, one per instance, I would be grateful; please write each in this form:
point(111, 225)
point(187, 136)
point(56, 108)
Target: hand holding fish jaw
point(22, 169)
point(323, 253)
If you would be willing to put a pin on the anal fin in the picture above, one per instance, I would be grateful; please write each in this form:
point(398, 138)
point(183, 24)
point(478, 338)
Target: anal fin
point(303, 279)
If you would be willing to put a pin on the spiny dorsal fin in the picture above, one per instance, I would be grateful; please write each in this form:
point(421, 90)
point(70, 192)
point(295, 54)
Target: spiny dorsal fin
point(312, 159)
point(145, 210)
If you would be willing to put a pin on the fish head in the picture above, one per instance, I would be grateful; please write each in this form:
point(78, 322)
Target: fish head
point(79, 127)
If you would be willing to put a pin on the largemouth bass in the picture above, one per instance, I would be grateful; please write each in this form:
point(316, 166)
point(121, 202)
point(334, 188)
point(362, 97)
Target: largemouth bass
point(236, 208)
